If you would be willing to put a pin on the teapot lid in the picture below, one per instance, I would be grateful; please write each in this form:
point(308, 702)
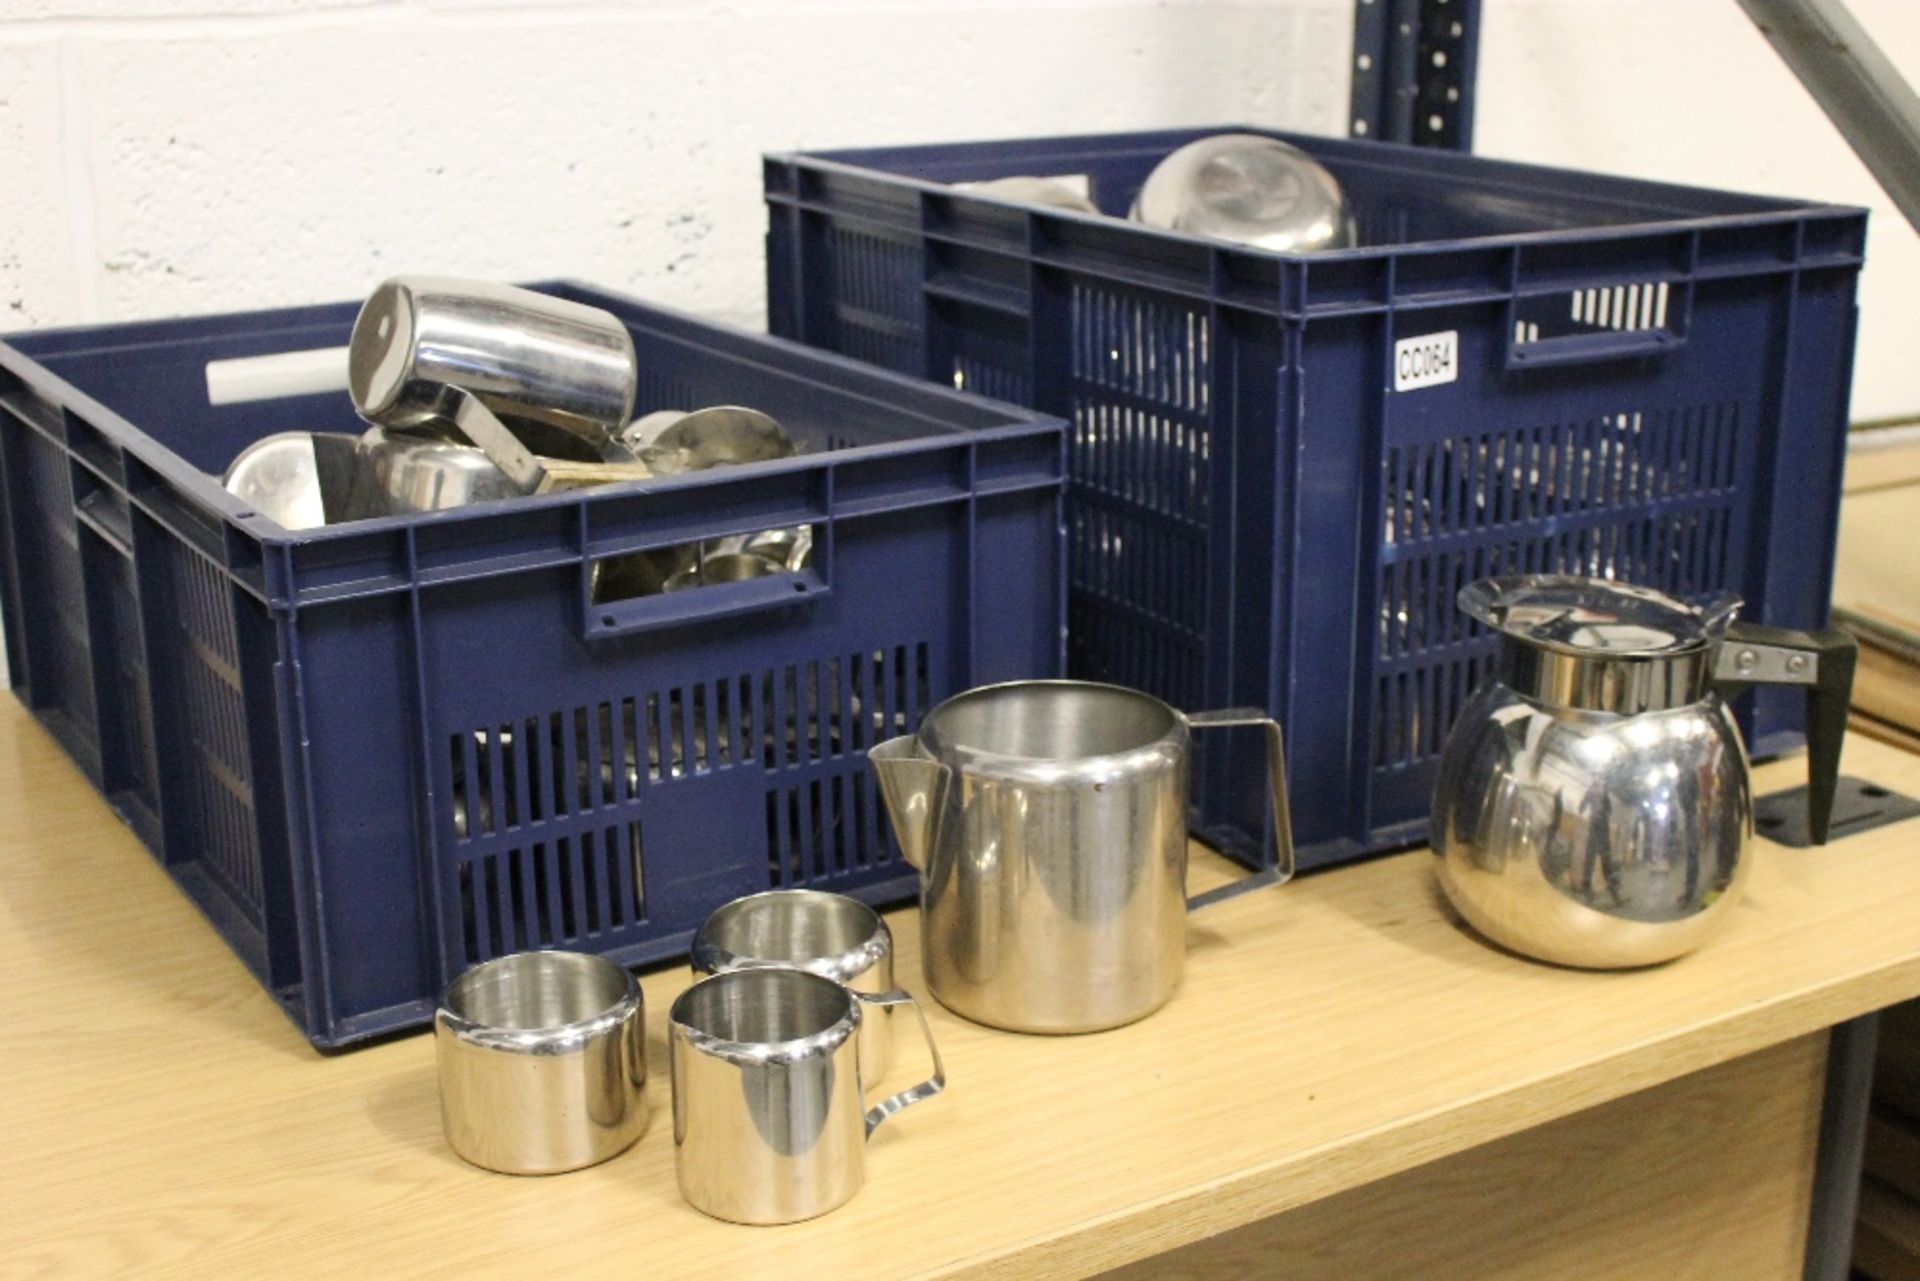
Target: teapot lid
point(1596, 616)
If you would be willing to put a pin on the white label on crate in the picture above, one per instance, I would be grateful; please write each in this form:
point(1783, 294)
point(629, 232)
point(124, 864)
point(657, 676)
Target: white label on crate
point(1426, 361)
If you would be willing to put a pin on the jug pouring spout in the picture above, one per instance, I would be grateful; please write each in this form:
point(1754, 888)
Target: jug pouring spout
point(915, 788)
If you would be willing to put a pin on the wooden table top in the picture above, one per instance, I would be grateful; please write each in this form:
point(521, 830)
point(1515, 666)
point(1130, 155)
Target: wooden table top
point(161, 1114)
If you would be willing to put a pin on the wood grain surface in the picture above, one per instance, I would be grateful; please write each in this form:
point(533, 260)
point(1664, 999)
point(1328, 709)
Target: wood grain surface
point(162, 1116)
point(1875, 571)
point(1701, 1179)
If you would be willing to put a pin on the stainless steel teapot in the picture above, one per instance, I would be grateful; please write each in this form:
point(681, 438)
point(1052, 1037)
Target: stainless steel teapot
point(1593, 805)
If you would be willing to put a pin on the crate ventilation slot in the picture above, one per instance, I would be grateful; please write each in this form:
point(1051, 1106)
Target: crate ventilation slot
point(1105, 643)
point(1154, 461)
point(1140, 568)
point(983, 377)
point(832, 823)
point(543, 769)
point(60, 681)
point(877, 285)
point(658, 390)
point(1142, 347)
point(1140, 373)
point(572, 889)
point(1413, 710)
point(214, 716)
point(1477, 484)
point(1645, 496)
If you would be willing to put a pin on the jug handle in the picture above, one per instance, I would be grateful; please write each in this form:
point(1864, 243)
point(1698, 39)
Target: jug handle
point(1282, 872)
point(495, 439)
point(1823, 663)
point(913, 1094)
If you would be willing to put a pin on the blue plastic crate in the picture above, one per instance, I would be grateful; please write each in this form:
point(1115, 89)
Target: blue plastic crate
point(378, 752)
point(1648, 381)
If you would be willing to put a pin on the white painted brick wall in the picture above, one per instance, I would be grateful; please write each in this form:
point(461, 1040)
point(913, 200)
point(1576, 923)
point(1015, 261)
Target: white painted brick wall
point(278, 152)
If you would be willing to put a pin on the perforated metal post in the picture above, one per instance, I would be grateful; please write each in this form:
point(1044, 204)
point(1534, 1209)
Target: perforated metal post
point(1413, 67)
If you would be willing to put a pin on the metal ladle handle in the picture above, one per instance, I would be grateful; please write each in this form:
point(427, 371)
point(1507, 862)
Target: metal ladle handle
point(495, 439)
point(1282, 872)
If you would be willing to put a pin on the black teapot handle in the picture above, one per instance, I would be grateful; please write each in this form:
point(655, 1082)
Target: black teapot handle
point(1822, 662)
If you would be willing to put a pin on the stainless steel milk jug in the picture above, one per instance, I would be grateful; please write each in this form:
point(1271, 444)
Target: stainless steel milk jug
point(1049, 823)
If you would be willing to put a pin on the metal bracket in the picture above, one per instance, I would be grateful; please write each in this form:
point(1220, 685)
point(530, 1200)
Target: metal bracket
point(1413, 68)
point(1766, 665)
point(1858, 806)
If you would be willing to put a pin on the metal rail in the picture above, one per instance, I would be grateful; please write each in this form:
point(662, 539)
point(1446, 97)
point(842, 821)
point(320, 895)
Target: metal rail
point(1858, 87)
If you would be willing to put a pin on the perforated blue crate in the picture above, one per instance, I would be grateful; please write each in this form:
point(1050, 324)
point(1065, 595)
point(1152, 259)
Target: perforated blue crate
point(1646, 381)
point(375, 753)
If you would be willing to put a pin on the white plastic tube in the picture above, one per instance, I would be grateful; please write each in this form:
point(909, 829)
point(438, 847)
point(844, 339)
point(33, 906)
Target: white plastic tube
point(290, 373)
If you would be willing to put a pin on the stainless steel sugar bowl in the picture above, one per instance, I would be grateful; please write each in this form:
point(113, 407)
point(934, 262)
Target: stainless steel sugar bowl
point(1593, 806)
point(542, 1062)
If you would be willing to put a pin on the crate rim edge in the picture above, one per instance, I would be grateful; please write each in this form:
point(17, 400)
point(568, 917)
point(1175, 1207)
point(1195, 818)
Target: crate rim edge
point(1717, 238)
point(1425, 158)
point(861, 162)
point(61, 395)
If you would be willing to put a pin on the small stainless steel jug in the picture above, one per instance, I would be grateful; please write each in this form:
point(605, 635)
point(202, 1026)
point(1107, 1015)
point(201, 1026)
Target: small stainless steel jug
point(770, 1122)
point(1049, 823)
point(1593, 806)
point(830, 935)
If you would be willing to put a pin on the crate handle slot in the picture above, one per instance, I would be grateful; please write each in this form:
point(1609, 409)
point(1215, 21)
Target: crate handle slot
point(1589, 349)
point(1615, 321)
point(605, 620)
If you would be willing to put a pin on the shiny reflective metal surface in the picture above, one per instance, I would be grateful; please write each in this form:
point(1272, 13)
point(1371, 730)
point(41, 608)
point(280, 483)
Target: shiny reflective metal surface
point(642, 431)
point(1251, 189)
point(728, 567)
point(1049, 823)
point(827, 934)
point(1600, 645)
point(285, 477)
point(489, 357)
point(645, 573)
point(769, 1117)
point(1592, 806)
point(718, 436)
point(412, 471)
point(791, 549)
point(1592, 838)
point(542, 1061)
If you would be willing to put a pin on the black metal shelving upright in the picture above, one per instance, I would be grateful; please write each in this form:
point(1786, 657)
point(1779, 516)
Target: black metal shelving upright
point(1413, 70)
